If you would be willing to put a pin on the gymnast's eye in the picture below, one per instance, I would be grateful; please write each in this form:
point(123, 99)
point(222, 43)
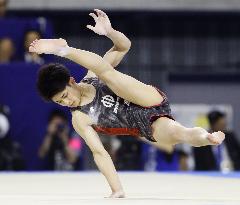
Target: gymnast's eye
point(64, 95)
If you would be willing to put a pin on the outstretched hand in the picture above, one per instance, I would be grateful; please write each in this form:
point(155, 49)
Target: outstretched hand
point(103, 25)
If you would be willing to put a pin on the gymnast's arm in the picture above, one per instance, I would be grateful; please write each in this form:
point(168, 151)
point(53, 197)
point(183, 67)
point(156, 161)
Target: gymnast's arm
point(121, 46)
point(121, 43)
point(82, 124)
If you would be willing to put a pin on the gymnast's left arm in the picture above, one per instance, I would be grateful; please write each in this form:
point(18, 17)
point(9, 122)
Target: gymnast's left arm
point(121, 43)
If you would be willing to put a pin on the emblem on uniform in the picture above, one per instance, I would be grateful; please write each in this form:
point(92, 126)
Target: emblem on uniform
point(108, 101)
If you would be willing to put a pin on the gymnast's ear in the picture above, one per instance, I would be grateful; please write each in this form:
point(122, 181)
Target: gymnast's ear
point(72, 82)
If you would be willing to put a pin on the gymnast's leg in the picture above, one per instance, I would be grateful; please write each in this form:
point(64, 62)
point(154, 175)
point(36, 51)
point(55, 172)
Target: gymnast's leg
point(169, 132)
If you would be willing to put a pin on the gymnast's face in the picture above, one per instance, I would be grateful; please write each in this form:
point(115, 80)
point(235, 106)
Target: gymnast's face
point(70, 96)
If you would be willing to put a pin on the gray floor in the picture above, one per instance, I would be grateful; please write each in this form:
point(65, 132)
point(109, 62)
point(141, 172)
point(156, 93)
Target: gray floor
point(141, 189)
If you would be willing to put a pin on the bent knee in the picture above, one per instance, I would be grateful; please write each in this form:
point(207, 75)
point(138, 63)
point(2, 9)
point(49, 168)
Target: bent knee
point(99, 151)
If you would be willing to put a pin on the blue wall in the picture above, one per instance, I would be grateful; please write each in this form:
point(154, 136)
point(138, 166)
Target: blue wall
point(29, 112)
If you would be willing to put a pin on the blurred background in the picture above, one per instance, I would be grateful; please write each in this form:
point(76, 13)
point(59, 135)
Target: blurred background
point(190, 49)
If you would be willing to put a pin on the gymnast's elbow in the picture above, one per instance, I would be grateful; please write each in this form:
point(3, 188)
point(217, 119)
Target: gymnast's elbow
point(99, 152)
point(105, 69)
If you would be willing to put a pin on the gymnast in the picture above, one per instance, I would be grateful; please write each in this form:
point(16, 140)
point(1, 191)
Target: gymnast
point(110, 102)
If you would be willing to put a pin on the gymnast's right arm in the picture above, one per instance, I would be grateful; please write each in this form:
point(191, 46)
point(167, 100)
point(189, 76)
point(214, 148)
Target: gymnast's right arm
point(82, 124)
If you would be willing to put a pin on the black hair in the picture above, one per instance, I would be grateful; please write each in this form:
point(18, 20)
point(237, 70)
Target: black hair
point(52, 79)
point(57, 113)
point(214, 116)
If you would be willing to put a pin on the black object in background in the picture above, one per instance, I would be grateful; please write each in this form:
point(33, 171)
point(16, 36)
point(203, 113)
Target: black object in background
point(128, 156)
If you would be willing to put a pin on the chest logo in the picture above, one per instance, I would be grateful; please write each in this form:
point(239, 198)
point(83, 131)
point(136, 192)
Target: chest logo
point(108, 101)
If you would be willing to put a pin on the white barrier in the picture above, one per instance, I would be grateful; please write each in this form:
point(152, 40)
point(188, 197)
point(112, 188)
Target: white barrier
point(205, 5)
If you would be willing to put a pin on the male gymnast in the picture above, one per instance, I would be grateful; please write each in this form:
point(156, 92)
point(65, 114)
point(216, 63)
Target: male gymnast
point(110, 102)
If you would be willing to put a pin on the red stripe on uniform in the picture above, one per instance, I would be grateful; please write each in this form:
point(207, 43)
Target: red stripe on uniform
point(117, 131)
point(154, 117)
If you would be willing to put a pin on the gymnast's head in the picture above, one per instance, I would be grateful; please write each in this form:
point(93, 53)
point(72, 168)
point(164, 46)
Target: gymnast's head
point(55, 84)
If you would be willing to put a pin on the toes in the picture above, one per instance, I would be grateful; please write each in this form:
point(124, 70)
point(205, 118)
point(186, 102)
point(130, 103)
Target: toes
point(221, 135)
point(32, 49)
point(216, 138)
point(212, 139)
point(34, 43)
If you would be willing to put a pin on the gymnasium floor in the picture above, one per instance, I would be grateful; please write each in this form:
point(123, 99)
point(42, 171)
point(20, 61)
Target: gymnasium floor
point(141, 188)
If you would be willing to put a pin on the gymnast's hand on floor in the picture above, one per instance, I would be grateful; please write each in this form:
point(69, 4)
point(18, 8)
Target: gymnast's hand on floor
point(117, 194)
point(48, 46)
point(103, 25)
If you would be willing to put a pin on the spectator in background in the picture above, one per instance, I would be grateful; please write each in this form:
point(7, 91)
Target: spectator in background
point(29, 37)
point(56, 147)
point(3, 8)
point(7, 50)
point(210, 158)
point(10, 151)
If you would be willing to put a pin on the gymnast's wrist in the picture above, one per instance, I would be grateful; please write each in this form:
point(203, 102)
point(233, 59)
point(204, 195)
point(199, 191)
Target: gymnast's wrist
point(111, 33)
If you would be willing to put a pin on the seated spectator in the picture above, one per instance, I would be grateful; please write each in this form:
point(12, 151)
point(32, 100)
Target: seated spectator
point(57, 148)
point(29, 37)
point(3, 8)
point(7, 50)
point(10, 151)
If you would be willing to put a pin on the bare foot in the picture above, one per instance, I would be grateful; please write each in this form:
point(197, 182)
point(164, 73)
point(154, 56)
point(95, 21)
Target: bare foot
point(47, 46)
point(118, 194)
point(216, 138)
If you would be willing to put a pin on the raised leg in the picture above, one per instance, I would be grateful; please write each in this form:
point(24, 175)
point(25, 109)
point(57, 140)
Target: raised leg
point(131, 89)
point(121, 84)
point(170, 132)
